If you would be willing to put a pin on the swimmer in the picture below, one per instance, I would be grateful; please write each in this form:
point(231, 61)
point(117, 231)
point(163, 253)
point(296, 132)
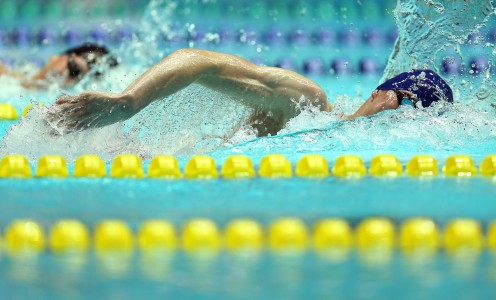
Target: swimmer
point(68, 67)
point(272, 92)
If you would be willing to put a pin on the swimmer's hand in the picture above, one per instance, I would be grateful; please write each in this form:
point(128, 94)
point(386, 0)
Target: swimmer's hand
point(342, 116)
point(88, 110)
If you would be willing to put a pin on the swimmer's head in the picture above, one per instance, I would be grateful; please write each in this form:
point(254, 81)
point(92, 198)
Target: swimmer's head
point(83, 58)
point(418, 86)
point(75, 62)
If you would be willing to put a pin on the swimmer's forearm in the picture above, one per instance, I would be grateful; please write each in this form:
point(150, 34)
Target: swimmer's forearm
point(3, 69)
point(170, 75)
point(33, 84)
point(6, 71)
point(361, 113)
point(349, 117)
point(371, 107)
point(258, 87)
point(25, 82)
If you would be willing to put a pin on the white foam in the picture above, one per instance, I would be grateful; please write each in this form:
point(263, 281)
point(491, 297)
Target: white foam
point(197, 120)
point(193, 121)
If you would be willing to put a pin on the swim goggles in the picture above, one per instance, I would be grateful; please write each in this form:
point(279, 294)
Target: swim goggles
point(74, 69)
point(405, 99)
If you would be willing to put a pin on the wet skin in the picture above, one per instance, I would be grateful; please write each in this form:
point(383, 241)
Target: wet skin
point(275, 94)
point(55, 70)
point(57, 66)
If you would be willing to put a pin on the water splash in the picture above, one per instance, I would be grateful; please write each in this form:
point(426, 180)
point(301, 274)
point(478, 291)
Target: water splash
point(440, 129)
point(214, 123)
point(428, 27)
point(194, 121)
point(156, 27)
point(32, 137)
point(177, 126)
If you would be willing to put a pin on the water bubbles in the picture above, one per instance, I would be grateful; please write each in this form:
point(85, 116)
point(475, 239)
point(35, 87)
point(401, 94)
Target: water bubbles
point(34, 137)
point(436, 5)
point(425, 27)
point(190, 27)
point(212, 37)
point(213, 122)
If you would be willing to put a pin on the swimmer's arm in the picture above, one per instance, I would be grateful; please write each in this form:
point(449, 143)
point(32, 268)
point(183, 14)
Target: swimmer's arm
point(96, 109)
point(3, 69)
point(25, 82)
point(255, 86)
point(374, 105)
point(259, 87)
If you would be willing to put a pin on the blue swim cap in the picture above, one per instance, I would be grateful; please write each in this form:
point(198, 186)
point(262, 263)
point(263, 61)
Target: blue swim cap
point(425, 84)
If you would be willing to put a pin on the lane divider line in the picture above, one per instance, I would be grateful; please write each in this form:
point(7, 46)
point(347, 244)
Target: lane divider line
point(241, 167)
point(282, 234)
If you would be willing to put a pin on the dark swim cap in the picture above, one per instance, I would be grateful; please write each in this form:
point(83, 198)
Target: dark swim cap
point(425, 84)
point(92, 54)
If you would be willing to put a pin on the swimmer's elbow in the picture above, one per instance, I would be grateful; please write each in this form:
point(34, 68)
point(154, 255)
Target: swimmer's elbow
point(193, 60)
point(319, 98)
point(184, 52)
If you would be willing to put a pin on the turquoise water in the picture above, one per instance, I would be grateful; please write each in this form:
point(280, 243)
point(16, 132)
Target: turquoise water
point(264, 277)
point(47, 200)
point(210, 126)
point(227, 275)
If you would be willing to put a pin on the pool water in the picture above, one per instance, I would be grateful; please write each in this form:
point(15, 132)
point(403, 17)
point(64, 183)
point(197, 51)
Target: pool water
point(267, 277)
point(344, 46)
